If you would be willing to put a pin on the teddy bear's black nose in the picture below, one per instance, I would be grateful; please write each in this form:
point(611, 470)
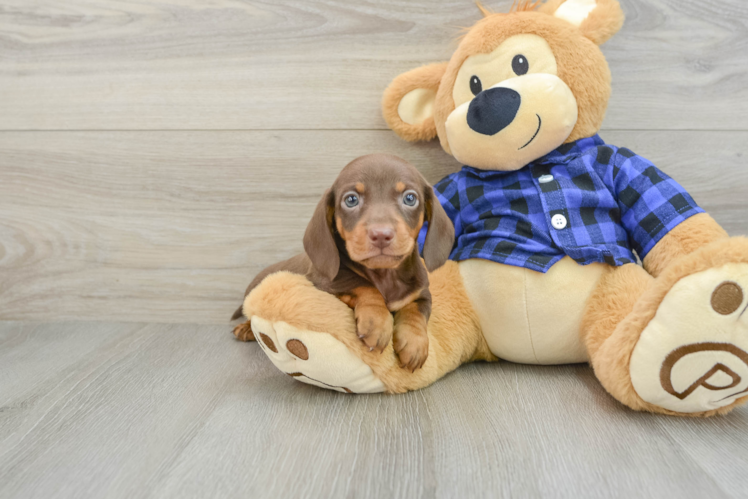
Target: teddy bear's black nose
point(492, 110)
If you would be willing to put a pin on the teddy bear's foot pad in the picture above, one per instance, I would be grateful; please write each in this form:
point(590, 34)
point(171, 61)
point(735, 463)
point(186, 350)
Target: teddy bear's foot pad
point(314, 358)
point(693, 356)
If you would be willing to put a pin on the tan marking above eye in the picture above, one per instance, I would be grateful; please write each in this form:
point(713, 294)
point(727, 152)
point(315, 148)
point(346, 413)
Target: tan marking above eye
point(727, 298)
point(400, 187)
point(496, 66)
point(360, 187)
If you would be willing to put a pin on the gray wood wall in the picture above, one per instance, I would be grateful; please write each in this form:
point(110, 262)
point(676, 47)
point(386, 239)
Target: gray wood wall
point(155, 155)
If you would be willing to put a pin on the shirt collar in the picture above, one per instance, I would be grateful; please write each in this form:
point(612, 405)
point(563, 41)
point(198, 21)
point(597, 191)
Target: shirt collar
point(563, 154)
point(567, 152)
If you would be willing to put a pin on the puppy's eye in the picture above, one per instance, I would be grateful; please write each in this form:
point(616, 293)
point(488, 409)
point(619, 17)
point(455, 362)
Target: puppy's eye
point(475, 85)
point(350, 200)
point(410, 198)
point(520, 65)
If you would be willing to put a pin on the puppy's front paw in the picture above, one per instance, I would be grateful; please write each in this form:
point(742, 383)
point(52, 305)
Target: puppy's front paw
point(374, 326)
point(244, 333)
point(411, 346)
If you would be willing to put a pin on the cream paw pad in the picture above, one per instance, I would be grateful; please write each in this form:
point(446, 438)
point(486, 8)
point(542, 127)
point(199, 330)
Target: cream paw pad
point(693, 355)
point(314, 358)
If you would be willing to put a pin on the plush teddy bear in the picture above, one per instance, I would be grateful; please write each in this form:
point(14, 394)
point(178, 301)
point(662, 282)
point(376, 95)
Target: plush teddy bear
point(567, 249)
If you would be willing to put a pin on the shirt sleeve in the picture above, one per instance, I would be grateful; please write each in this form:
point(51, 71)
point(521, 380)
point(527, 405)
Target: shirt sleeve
point(447, 193)
point(651, 203)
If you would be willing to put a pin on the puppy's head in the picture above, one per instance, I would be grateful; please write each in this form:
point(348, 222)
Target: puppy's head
point(377, 207)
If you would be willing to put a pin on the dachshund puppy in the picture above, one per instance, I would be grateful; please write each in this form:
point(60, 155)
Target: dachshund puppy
point(361, 246)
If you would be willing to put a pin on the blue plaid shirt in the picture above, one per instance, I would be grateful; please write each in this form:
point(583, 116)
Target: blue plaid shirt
point(612, 202)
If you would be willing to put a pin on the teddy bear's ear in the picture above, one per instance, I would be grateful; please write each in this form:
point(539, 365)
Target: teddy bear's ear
point(408, 103)
point(598, 20)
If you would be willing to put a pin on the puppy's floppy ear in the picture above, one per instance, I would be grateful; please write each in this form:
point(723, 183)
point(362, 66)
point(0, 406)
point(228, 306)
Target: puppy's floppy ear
point(408, 103)
point(441, 233)
point(319, 242)
point(598, 20)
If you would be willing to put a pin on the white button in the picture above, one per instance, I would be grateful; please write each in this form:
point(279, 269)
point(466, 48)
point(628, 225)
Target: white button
point(558, 221)
point(545, 178)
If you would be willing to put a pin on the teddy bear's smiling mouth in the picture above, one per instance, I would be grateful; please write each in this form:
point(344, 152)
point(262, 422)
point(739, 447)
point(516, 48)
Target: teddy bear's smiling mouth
point(540, 124)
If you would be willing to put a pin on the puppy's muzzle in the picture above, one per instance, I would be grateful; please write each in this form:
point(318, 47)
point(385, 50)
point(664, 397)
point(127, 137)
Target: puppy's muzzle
point(492, 110)
point(381, 236)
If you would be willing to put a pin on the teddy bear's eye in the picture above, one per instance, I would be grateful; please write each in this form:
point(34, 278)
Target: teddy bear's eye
point(475, 85)
point(520, 65)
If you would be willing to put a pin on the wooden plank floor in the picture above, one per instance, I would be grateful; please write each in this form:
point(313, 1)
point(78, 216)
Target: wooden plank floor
point(130, 410)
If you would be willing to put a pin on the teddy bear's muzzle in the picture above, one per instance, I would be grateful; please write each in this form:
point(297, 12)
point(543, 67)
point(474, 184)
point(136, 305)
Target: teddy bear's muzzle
point(512, 123)
point(493, 110)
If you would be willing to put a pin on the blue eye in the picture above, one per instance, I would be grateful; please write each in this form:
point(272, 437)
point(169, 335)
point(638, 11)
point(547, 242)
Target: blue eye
point(410, 199)
point(350, 200)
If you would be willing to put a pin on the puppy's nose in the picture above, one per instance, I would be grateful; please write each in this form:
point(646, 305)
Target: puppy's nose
point(492, 110)
point(381, 236)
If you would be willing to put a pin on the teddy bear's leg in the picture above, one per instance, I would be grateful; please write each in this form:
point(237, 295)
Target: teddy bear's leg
point(296, 326)
point(678, 343)
point(311, 335)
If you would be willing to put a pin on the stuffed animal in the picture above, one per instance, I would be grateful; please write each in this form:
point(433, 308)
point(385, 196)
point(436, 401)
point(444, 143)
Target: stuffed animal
point(567, 249)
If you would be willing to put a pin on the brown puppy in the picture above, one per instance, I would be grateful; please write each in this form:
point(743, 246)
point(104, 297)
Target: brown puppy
point(361, 246)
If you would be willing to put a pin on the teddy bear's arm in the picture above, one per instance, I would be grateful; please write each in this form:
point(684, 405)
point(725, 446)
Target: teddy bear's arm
point(686, 237)
point(662, 220)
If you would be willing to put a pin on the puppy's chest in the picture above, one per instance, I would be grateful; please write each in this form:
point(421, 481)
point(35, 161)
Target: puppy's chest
point(397, 292)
